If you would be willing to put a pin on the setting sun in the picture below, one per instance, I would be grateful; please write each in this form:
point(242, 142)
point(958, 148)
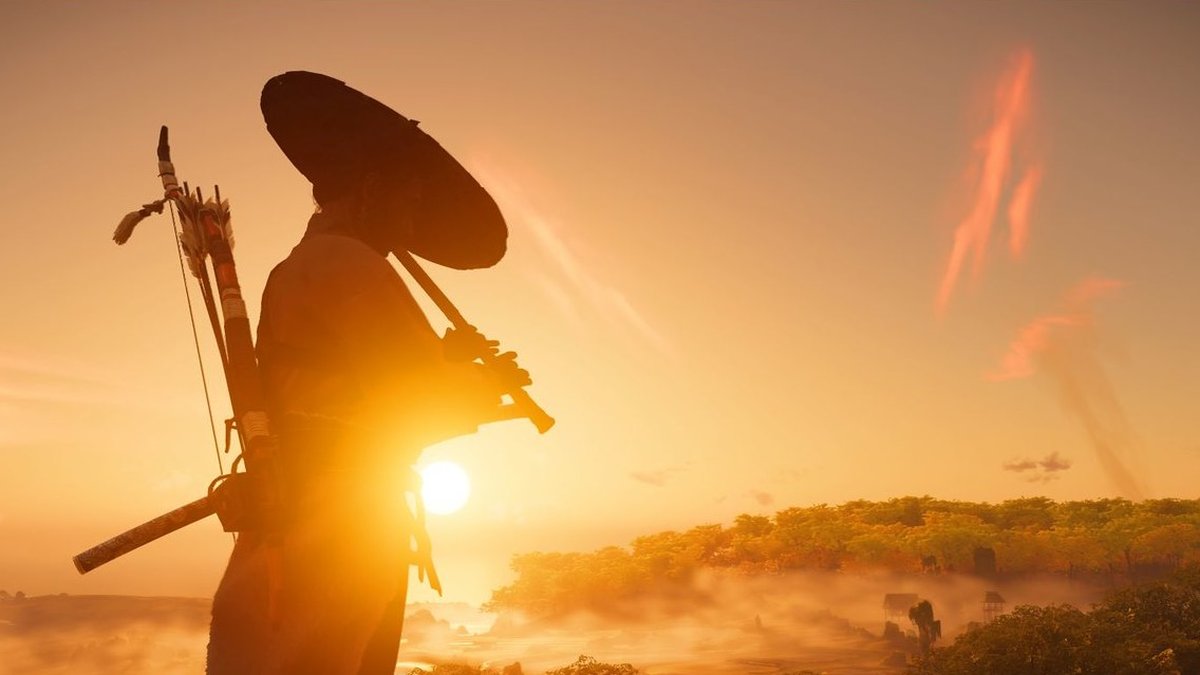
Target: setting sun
point(445, 487)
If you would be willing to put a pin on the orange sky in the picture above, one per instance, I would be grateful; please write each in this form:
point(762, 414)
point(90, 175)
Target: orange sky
point(729, 226)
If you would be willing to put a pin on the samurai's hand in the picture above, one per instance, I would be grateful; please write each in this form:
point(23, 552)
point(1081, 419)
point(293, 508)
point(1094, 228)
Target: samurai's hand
point(462, 345)
point(506, 374)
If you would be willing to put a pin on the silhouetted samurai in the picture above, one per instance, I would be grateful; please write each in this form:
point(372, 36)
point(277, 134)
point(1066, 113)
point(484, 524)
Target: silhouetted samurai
point(357, 383)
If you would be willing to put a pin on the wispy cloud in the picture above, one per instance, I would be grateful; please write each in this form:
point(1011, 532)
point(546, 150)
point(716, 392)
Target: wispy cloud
point(25, 377)
point(1038, 470)
point(1053, 463)
point(1019, 465)
point(657, 477)
point(1063, 347)
point(1019, 207)
point(763, 498)
point(990, 174)
point(41, 382)
point(570, 284)
point(40, 395)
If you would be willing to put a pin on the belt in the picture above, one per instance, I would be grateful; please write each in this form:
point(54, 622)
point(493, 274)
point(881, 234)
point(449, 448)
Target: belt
point(319, 449)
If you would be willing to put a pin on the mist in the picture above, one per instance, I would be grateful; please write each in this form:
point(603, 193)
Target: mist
point(823, 621)
point(829, 622)
point(64, 634)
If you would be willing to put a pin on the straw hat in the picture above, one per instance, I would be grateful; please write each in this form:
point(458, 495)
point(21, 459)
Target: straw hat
point(334, 135)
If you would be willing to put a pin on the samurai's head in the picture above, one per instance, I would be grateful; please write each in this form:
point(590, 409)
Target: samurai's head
point(382, 175)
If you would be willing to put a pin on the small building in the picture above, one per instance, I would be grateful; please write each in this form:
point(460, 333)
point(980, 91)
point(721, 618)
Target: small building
point(896, 606)
point(993, 605)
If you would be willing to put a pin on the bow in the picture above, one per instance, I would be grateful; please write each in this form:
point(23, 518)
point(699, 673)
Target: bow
point(245, 499)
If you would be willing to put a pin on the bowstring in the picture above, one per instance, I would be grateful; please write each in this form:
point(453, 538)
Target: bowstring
point(212, 426)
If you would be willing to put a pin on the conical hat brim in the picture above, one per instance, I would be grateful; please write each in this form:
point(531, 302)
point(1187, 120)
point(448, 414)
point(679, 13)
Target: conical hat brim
point(330, 131)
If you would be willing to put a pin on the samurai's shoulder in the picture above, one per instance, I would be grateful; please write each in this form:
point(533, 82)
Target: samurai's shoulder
point(336, 258)
point(334, 278)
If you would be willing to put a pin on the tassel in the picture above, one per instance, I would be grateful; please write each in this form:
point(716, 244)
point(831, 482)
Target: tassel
point(125, 229)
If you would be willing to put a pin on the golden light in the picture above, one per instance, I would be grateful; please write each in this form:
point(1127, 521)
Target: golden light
point(445, 487)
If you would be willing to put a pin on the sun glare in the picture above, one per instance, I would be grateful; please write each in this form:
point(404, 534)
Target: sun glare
point(445, 487)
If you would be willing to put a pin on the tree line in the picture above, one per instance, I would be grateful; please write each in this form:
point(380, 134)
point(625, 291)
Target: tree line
point(905, 534)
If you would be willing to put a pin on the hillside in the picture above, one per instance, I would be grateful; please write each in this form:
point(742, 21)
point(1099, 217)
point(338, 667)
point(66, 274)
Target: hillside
point(74, 634)
point(1104, 542)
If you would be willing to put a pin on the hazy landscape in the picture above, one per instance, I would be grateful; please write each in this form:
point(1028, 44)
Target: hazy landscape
point(114, 634)
point(831, 623)
point(794, 592)
point(869, 329)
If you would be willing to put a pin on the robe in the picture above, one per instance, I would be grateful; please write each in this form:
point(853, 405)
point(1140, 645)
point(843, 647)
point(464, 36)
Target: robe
point(356, 383)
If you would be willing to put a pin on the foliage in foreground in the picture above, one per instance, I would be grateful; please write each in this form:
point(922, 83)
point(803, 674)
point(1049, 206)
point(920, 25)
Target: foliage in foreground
point(1149, 629)
point(448, 669)
point(584, 665)
point(587, 665)
point(906, 534)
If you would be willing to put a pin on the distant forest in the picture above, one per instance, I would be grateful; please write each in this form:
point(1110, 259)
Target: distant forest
point(1112, 537)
